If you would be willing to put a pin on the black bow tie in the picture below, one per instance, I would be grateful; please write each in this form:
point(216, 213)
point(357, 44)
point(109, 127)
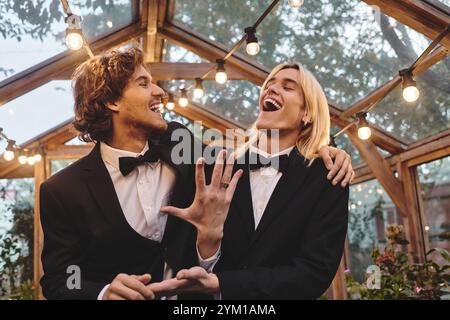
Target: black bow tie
point(281, 163)
point(127, 164)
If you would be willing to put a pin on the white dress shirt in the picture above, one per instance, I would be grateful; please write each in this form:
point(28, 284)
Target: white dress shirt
point(141, 195)
point(263, 182)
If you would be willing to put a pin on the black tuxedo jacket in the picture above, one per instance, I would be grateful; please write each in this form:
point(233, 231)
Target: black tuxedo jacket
point(296, 249)
point(84, 225)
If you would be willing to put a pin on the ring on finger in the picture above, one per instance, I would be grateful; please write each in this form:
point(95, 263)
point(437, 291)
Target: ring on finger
point(224, 185)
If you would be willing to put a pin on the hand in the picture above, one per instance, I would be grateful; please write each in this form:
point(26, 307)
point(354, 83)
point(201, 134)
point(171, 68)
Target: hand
point(210, 207)
point(195, 279)
point(342, 165)
point(129, 287)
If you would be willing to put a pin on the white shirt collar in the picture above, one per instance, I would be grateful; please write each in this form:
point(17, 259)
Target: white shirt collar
point(111, 155)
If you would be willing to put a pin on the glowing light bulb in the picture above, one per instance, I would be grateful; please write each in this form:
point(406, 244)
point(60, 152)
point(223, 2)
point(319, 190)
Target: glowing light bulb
point(296, 3)
point(364, 133)
point(411, 93)
point(183, 101)
point(23, 159)
point(37, 157)
point(252, 48)
point(8, 155)
point(252, 42)
point(74, 40)
point(198, 91)
point(221, 76)
point(31, 161)
point(170, 105)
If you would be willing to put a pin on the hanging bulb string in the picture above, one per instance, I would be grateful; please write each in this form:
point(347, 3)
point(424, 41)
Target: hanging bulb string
point(13, 147)
point(408, 72)
point(8, 140)
point(69, 12)
point(240, 42)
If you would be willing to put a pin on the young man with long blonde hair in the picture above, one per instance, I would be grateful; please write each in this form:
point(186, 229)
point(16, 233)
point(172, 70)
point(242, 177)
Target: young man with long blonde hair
point(285, 231)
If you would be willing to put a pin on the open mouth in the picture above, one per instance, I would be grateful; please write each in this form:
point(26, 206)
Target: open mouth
point(270, 105)
point(157, 107)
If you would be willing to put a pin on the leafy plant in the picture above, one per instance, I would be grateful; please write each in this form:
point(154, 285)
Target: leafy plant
point(400, 279)
point(16, 245)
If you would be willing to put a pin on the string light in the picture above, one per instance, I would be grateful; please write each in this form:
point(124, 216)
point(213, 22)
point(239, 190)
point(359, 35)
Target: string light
point(296, 3)
point(25, 155)
point(410, 91)
point(364, 131)
point(74, 37)
point(9, 153)
point(221, 75)
point(198, 91)
point(332, 141)
point(37, 157)
point(253, 47)
point(170, 105)
point(23, 159)
point(252, 42)
point(183, 101)
point(31, 160)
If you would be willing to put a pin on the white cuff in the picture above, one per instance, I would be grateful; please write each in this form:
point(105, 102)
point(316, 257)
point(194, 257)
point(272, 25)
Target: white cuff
point(100, 295)
point(209, 263)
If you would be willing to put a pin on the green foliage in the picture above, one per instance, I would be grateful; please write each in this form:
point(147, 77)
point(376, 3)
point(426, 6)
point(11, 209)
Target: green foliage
point(401, 279)
point(16, 245)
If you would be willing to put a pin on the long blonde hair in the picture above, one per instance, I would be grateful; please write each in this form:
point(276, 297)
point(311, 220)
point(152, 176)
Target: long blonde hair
point(316, 133)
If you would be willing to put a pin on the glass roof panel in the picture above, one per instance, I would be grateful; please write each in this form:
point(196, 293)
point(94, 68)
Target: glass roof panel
point(351, 48)
point(429, 115)
point(33, 31)
point(174, 53)
point(37, 111)
point(236, 100)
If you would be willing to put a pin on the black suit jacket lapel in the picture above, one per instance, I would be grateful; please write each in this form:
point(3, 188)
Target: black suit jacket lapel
point(285, 190)
point(243, 197)
point(101, 186)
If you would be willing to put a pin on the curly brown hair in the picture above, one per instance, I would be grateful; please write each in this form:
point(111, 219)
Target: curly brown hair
point(96, 83)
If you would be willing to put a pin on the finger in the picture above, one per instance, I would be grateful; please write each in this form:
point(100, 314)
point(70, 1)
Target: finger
point(170, 287)
point(325, 154)
point(195, 274)
point(113, 296)
point(173, 211)
point(233, 184)
point(341, 172)
point(180, 273)
point(137, 286)
point(218, 169)
point(228, 170)
point(144, 278)
point(348, 176)
point(127, 293)
point(353, 177)
point(340, 158)
point(200, 174)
